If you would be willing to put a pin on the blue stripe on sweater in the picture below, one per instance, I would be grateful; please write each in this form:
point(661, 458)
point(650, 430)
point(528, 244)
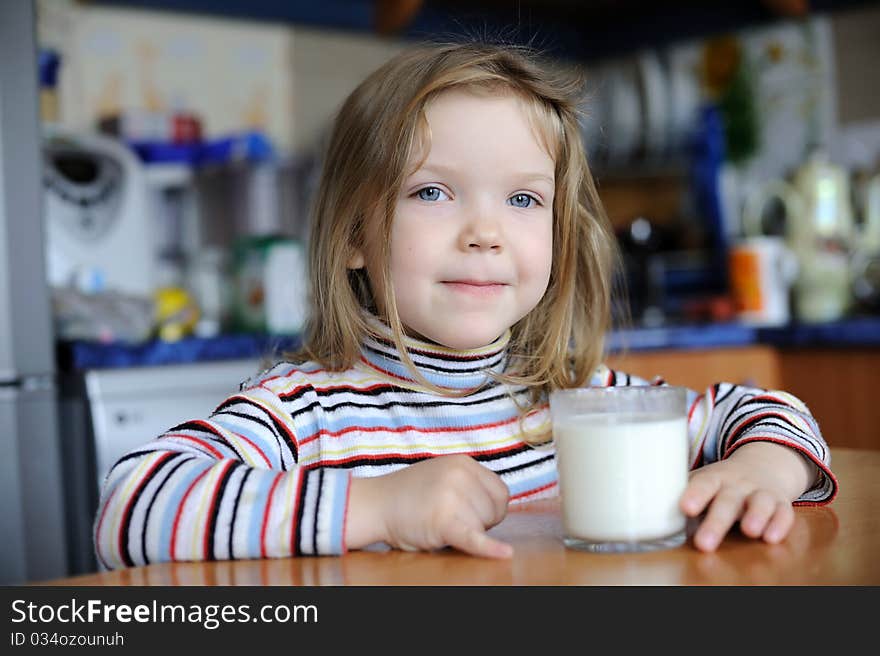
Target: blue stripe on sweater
point(340, 495)
point(187, 474)
point(266, 442)
point(533, 482)
point(260, 490)
point(457, 381)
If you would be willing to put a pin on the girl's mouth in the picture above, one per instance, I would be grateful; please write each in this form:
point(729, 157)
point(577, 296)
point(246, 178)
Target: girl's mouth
point(475, 287)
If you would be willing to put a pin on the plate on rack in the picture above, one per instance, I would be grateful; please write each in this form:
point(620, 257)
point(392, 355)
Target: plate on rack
point(624, 112)
point(655, 104)
point(683, 95)
point(593, 130)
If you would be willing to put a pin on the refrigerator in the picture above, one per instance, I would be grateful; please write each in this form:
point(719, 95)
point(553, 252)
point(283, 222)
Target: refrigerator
point(33, 520)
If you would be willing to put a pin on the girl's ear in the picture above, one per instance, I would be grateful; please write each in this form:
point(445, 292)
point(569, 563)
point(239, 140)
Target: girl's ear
point(356, 261)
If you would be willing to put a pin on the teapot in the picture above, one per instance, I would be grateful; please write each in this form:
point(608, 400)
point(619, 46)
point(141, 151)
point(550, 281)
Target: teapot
point(821, 231)
point(866, 263)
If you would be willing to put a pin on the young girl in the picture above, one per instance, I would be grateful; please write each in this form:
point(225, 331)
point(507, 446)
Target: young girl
point(460, 270)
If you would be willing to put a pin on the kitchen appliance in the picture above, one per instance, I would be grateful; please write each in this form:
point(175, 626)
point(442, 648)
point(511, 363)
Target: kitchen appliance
point(32, 498)
point(131, 406)
point(98, 213)
point(866, 263)
point(821, 230)
point(270, 286)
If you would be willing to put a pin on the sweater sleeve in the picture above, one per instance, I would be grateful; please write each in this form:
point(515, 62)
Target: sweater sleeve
point(726, 416)
point(226, 487)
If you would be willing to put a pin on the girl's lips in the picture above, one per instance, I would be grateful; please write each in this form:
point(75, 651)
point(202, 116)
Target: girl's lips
point(476, 288)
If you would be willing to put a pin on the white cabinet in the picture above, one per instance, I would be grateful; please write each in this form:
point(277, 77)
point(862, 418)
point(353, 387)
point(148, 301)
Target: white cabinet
point(130, 407)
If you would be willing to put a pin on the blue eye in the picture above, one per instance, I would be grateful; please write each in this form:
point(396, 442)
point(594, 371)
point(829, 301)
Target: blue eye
point(431, 194)
point(522, 201)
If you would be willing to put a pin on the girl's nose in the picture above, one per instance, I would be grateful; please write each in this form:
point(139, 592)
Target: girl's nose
point(480, 232)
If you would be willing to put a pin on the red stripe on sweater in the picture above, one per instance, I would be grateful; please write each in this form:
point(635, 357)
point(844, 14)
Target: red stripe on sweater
point(736, 430)
point(214, 501)
point(290, 374)
point(266, 516)
point(144, 480)
point(406, 429)
point(694, 406)
point(100, 524)
point(179, 512)
point(792, 445)
point(214, 452)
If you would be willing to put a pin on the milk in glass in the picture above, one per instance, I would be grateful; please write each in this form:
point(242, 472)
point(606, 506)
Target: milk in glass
point(621, 476)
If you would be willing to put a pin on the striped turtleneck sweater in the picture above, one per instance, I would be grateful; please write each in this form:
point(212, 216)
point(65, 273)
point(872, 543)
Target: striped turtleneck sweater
point(268, 473)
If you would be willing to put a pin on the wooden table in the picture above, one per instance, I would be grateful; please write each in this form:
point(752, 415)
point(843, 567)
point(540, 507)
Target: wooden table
point(837, 544)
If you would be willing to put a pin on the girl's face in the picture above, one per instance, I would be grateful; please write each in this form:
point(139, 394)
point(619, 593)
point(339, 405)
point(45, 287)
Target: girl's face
point(471, 240)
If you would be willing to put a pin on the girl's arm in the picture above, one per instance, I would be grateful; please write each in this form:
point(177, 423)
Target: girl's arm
point(726, 416)
point(222, 488)
point(753, 452)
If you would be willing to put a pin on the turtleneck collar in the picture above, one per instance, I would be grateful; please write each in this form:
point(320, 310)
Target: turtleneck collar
point(451, 368)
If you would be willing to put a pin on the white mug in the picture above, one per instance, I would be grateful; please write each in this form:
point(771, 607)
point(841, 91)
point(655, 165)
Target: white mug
point(762, 270)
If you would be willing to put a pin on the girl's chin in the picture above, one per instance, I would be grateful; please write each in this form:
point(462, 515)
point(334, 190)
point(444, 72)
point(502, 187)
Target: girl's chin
point(460, 342)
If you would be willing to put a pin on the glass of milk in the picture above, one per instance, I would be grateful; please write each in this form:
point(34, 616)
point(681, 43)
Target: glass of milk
point(622, 457)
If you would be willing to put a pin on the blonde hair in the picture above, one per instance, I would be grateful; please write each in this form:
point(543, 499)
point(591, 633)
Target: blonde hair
point(376, 132)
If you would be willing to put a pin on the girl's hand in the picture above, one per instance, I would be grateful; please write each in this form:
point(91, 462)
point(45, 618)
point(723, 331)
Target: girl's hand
point(445, 501)
point(755, 485)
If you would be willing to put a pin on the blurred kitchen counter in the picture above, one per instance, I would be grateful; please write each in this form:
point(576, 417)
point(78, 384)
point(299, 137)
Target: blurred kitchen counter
point(854, 332)
point(833, 367)
point(74, 356)
point(849, 333)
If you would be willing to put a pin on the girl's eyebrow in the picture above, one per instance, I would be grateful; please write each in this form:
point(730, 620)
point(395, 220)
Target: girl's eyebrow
point(519, 175)
point(543, 177)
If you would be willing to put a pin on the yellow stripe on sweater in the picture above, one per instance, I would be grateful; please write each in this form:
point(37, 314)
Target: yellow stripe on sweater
point(385, 447)
point(134, 479)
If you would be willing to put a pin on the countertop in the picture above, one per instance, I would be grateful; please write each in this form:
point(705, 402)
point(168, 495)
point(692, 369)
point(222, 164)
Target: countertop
point(846, 333)
point(836, 544)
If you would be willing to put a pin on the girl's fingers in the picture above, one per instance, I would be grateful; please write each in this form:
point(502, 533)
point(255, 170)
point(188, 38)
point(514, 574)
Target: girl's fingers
point(780, 524)
point(700, 490)
point(472, 539)
point(487, 494)
point(725, 509)
point(483, 506)
point(498, 493)
point(760, 506)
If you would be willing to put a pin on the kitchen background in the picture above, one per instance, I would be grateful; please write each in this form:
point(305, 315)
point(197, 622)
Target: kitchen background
point(737, 151)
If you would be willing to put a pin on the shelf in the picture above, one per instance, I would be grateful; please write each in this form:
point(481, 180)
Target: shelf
point(574, 29)
point(847, 333)
point(75, 356)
